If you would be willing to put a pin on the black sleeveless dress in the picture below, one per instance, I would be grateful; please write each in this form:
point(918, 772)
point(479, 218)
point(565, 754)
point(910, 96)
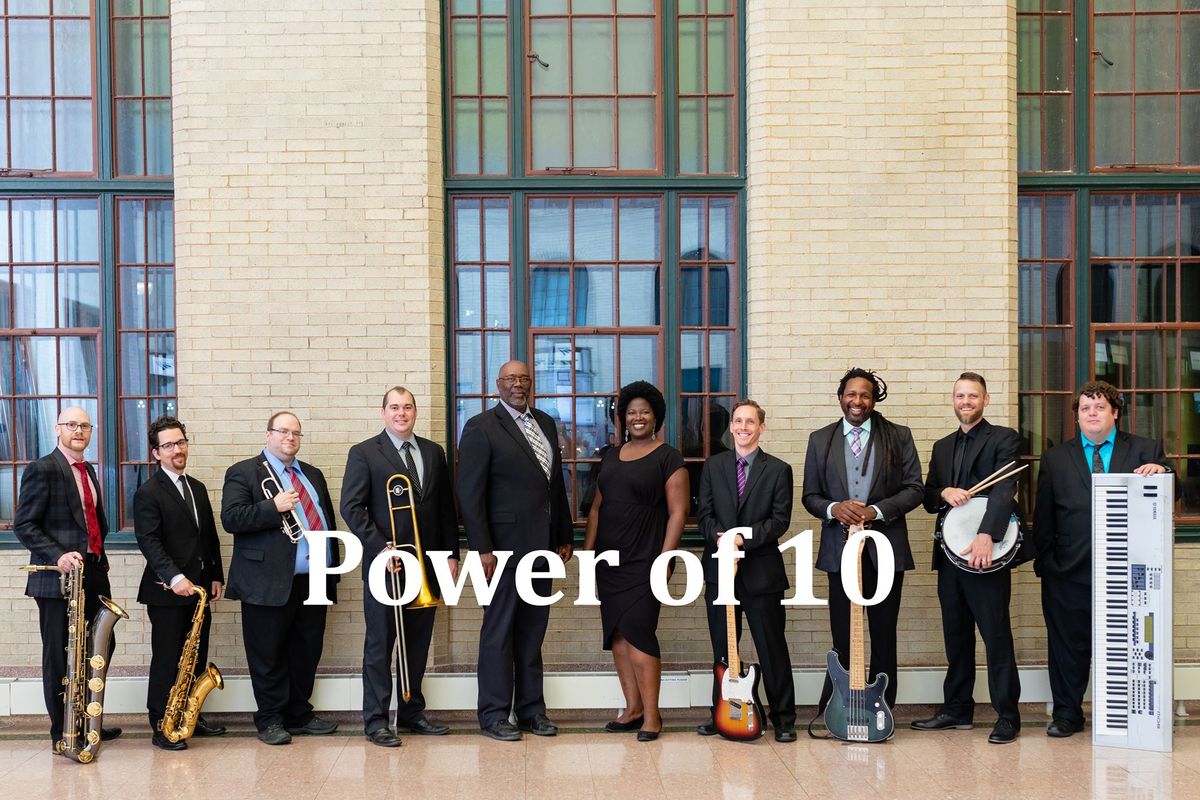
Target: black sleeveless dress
point(633, 521)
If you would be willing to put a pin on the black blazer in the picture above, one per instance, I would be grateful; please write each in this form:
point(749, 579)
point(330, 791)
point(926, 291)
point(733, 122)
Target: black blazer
point(171, 541)
point(264, 561)
point(50, 521)
point(365, 502)
point(766, 508)
point(504, 497)
point(989, 447)
point(896, 488)
point(1062, 519)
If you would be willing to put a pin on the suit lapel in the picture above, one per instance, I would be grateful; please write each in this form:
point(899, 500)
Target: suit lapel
point(975, 446)
point(429, 478)
point(756, 470)
point(837, 449)
point(68, 473)
point(1075, 452)
point(1120, 455)
point(390, 453)
point(167, 485)
point(509, 426)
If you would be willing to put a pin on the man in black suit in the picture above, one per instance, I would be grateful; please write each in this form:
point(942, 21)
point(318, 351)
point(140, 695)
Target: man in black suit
point(749, 487)
point(963, 459)
point(512, 497)
point(60, 519)
point(863, 470)
point(269, 574)
point(1062, 533)
point(366, 507)
point(173, 522)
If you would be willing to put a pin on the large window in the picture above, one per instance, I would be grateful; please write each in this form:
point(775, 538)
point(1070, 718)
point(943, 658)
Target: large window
point(595, 213)
point(87, 312)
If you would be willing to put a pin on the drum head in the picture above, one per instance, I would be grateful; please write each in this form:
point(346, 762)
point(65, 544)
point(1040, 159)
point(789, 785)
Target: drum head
point(960, 526)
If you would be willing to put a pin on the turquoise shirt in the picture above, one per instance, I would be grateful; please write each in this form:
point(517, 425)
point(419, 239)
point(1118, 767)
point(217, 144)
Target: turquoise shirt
point(1106, 449)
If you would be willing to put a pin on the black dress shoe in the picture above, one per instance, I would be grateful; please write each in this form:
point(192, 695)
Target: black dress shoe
point(275, 734)
point(314, 727)
point(423, 726)
point(538, 725)
point(383, 737)
point(616, 726)
point(707, 728)
point(647, 736)
point(940, 722)
point(1003, 732)
point(1061, 729)
point(163, 743)
point(108, 734)
point(785, 735)
point(502, 730)
point(206, 728)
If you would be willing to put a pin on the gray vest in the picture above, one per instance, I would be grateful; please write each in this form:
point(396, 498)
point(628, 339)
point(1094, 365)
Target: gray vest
point(858, 484)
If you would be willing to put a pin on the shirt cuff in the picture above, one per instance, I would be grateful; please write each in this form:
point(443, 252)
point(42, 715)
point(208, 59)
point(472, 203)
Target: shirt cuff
point(829, 511)
point(177, 579)
point(878, 514)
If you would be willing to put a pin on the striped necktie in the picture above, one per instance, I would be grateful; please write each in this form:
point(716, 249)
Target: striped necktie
point(741, 476)
point(856, 441)
point(534, 436)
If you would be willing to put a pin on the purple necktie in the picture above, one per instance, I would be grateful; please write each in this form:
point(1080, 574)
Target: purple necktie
point(741, 476)
point(856, 441)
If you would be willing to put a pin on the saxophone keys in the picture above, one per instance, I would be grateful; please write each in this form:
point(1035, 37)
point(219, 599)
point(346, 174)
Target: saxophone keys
point(96, 661)
point(94, 709)
point(96, 684)
point(93, 738)
point(85, 756)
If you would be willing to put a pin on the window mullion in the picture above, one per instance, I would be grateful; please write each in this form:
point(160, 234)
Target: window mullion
point(517, 89)
point(670, 84)
point(1084, 361)
point(109, 403)
point(1082, 87)
point(670, 312)
point(105, 166)
point(520, 277)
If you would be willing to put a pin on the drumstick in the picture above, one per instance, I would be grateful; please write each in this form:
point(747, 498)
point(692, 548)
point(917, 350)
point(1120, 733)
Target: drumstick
point(998, 480)
point(979, 485)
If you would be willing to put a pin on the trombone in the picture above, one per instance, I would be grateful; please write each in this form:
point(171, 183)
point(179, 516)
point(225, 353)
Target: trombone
point(293, 528)
point(400, 498)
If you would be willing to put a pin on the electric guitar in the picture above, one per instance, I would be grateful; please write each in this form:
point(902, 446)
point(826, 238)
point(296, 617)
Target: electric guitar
point(857, 712)
point(737, 713)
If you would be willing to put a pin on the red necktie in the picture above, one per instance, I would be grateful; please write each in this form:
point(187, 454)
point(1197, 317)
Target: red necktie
point(306, 503)
point(95, 542)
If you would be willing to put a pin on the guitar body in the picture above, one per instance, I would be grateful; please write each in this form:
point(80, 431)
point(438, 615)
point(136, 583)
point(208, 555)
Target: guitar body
point(857, 715)
point(737, 713)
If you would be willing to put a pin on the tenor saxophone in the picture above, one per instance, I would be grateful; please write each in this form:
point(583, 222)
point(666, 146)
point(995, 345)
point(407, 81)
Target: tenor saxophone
point(189, 691)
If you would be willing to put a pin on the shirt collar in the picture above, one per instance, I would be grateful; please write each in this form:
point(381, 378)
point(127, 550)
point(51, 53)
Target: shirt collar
point(278, 465)
point(749, 456)
point(175, 476)
point(397, 442)
point(847, 427)
point(70, 454)
point(1110, 439)
point(516, 414)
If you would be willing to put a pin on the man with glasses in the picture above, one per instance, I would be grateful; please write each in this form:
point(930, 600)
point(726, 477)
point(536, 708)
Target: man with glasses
point(60, 518)
point(512, 497)
point(269, 574)
point(173, 522)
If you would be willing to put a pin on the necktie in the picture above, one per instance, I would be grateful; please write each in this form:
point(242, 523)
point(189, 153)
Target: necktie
point(306, 502)
point(1097, 460)
point(535, 441)
point(741, 476)
point(960, 449)
point(95, 542)
point(411, 465)
point(188, 498)
point(856, 441)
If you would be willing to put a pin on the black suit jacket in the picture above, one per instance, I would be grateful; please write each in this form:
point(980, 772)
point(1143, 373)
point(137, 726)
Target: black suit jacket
point(172, 542)
point(989, 447)
point(264, 561)
point(365, 502)
point(765, 507)
point(896, 488)
point(1062, 519)
point(505, 499)
point(50, 521)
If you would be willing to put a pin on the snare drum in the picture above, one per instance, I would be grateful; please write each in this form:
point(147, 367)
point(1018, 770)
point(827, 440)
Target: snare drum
point(958, 526)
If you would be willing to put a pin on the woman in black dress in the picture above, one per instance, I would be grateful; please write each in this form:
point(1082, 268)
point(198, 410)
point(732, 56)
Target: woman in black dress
point(640, 506)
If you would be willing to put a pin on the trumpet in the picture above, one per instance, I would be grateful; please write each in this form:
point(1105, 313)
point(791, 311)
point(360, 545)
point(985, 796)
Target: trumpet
point(293, 527)
point(400, 498)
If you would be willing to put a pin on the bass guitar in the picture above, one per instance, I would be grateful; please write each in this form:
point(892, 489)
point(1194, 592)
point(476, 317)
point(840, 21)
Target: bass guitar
point(857, 712)
point(737, 713)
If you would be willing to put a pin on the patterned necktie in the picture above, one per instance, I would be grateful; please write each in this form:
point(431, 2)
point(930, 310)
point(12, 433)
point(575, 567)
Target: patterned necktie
point(1097, 459)
point(306, 501)
point(95, 542)
point(411, 466)
point(856, 441)
point(535, 441)
point(741, 476)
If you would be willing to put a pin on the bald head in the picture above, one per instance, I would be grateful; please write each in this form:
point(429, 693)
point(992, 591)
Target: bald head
point(76, 440)
point(515, 384)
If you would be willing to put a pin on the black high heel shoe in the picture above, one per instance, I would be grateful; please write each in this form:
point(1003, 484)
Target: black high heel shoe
point(616, 726)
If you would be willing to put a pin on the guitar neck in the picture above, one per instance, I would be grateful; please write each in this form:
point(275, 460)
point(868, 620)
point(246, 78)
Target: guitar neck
point(735, 663)
point(858, 667)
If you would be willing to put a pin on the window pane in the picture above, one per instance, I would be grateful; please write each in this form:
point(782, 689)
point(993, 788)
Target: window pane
point(1150, 359)
point(592, 56)
point(636, 71)
point(495, 137)
point(133, 363)
point(1058, 366)
point(1112, 292)
point(637, 124)
point(73, 132)
point(1154, 45)
point(549, 229)
point(1058, 132)
point(550, 43)
point(29, 57)
point(133, 297)
point(720, 362)
point(72, 57)
point(596, 365)
point(495, 228)
point(35, 428)
point(1113, 358)
point(495, 56)
point(691, 135)
point(720, 71)
point(33, 230)
point(552, 363)
point(464, 35)
point(551, 134)
point(78, 230)
point(720, 124)
point(639, 359)
point(594, 229)
point(549, 291)
point(466, 137)
point(720, 229)
point(465, 408)
point(1112, 225)
point(1155, 129)
point(1189, 144)
point(691, 361)
point(79, 298)
point(1056, 72)
point(594, 296)
point(33, 297)
point(639, 296)
point(468, 358)
point(593, 139)
point(1189, 56)
point(498, 285)
point(691, 293)
point(1150, 292)
point(1155, 230)
point(129, 137)
point(691, 57)
point(30, 137)
point(691, 439)
point(499, 352)
point(720, 299)
point(639, 229)
point(1029, 133)
point(692, 229)
point(35, 365)
point(158, 137)
point(1112, 39)
point(127, 52)
point(78, 365)
point(1113, 131)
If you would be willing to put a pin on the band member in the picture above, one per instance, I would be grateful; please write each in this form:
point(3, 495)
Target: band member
point(512, 497)
point(961, 460)
point(173, 522)
point(60, 519)
point(749, 487)
point(366, 507)
point(863, 470)
point(1062, 533)
point(269, 574)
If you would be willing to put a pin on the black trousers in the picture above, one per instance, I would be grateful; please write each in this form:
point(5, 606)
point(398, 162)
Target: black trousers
point(1067, 607)
point(379, 656)
point(52, 620)
point(881, 623)
point(969, 600)
point(765, 615)
point(169, 628)
point(283, 648)
point(510, 653)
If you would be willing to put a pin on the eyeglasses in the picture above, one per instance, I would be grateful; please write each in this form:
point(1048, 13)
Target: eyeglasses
point(77, 426)
point(286, 433)
point(514, 380)
point(176, 445)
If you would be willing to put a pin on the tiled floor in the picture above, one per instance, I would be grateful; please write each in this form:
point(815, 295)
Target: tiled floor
point(583, 762)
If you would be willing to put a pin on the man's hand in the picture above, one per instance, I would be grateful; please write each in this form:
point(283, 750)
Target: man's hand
point(738, 541)
point(850, 512)
point(1150, 469)
point(394, 563)
point(70, 560)
point(216, 593)
point(452, 563)
point(489, 564)
point(979, 552)
point(184, 588)
point(565, 551)
point(286, 501)
point(955, 497)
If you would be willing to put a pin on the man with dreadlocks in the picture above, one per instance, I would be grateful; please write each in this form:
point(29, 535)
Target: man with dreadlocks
point(863, 470)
